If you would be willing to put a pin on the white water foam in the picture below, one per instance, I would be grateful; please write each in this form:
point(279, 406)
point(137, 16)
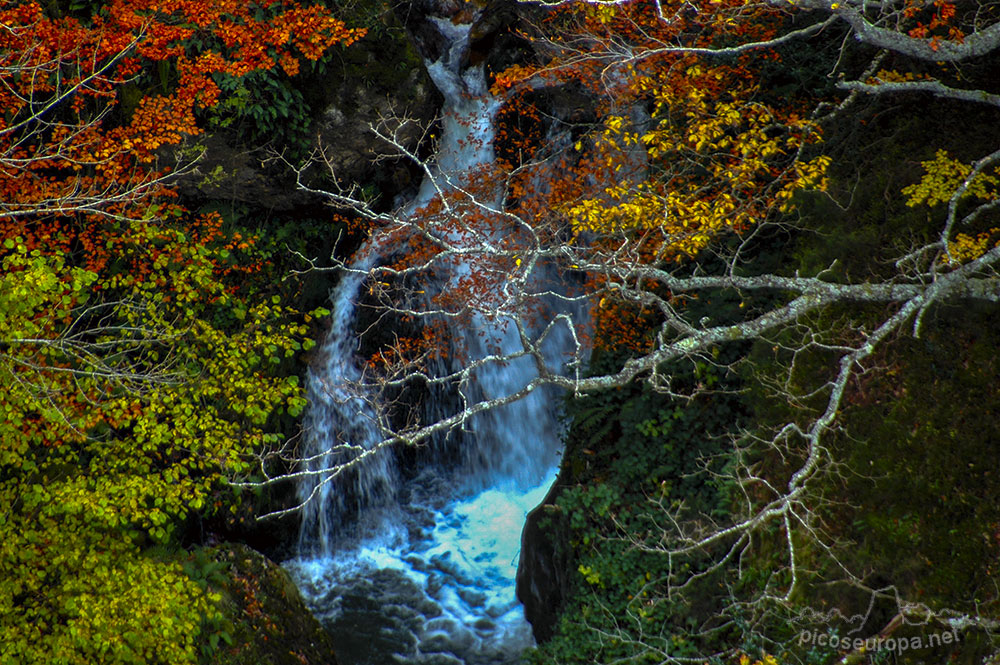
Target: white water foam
point(443, 590)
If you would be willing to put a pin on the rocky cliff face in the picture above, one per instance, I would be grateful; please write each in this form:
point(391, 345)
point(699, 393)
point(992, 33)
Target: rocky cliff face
point(379, 85)
point(379, 82)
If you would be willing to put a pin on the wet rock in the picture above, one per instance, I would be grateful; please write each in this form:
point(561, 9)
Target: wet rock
point(496, 39)
point(377, 619)
point(442, 625)
point(439, 659)
point(454, 642)
point(434, 585)
point(484, 625)
point(450, 568)
point(543, 569)
point(378, 85)
point(496, 611)
point(472, 597)
point(417, 563)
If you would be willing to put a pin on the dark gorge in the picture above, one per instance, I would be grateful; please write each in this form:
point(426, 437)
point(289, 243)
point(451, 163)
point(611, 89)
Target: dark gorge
point(514, 332)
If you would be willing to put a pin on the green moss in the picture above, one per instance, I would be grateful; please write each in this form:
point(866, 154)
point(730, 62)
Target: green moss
point(910, 505)
point(922, 435)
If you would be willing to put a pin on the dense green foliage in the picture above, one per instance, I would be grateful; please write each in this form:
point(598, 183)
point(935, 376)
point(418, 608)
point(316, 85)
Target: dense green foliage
point(632, 452)
point(88, 489)
point(910, 503)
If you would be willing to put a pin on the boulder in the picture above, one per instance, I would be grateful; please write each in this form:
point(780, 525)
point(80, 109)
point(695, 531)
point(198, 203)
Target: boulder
point(266, 620)
point(543, 569)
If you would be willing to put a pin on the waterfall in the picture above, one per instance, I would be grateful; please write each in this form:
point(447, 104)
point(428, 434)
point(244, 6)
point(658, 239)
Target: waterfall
point(421, 570)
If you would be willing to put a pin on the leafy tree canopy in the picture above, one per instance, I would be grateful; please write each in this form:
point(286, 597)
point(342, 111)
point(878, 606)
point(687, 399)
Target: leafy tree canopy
point(140, 346)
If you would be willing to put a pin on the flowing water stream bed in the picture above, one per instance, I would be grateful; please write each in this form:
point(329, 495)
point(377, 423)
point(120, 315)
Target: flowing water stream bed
point(432, 580)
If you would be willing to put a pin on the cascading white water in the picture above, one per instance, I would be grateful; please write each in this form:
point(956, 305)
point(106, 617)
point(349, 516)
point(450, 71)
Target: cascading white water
point(428, 576)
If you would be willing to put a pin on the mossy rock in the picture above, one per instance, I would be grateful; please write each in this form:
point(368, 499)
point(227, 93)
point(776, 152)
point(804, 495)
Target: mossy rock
point(268, 620)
